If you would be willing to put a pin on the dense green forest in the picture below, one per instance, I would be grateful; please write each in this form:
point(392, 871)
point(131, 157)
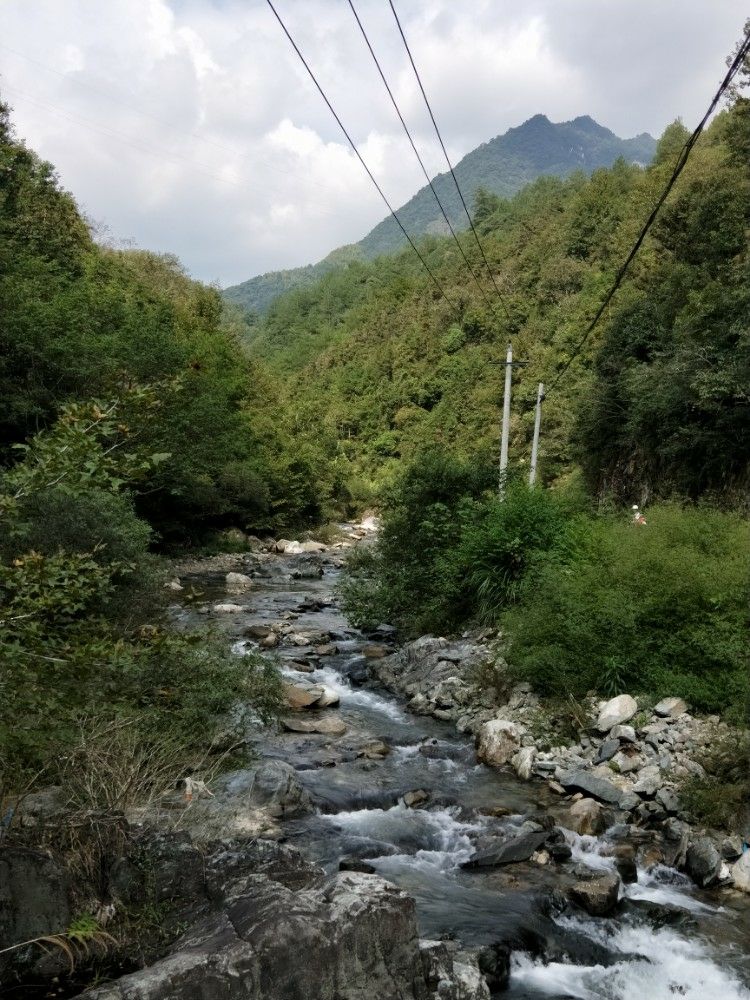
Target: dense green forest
point(656, 403)
point(501, 166)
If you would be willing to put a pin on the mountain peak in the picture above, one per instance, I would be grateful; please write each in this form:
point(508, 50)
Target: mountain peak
point(502, 166)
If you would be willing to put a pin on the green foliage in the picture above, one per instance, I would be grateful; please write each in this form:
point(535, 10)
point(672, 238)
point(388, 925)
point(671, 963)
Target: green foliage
point(80, 637)
point(660, 610)
point(656, 402)
point(720, 799)
point(448, 549)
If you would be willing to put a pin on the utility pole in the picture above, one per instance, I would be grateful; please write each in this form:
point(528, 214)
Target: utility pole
point(505, 433)
point(506, 420)
point(537, 425)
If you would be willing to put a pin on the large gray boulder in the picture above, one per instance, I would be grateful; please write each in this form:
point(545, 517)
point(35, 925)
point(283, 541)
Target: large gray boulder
point(615, 712)
point(499, 740)
point(703, 862)
point(590, 784)
point(354, 939)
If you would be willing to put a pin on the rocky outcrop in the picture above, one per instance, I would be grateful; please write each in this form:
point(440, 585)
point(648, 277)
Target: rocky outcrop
point(353, 938)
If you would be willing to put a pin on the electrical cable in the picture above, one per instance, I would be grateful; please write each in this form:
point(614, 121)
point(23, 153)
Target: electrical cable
point(448, 161)
point(359, 156)
point(742, 53)
point(416, 153)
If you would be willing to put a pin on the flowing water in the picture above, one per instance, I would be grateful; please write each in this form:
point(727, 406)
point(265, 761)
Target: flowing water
point(667, 938)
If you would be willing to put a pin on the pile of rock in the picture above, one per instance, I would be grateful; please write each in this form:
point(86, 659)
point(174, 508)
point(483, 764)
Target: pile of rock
point(626, 763)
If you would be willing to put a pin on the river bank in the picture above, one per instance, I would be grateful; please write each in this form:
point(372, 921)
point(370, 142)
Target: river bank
point(365, 853)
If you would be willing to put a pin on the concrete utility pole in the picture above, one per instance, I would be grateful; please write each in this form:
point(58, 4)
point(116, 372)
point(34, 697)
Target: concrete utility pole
point(537, 425)
point(506, 420)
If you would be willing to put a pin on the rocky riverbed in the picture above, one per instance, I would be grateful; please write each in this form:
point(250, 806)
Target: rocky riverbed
point(410, 832)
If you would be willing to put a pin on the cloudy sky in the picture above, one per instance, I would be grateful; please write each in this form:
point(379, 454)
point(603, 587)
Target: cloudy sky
point(189, 127)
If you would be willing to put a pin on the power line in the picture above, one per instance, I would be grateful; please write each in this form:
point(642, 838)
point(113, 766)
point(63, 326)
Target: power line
point(416, 152)
point(448, 161)
point(742, 53)
point(361, 160)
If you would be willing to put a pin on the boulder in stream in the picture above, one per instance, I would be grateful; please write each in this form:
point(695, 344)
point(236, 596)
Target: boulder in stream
point(598, 896)
point(703, 862)
point(326, 725)
point(509, 851)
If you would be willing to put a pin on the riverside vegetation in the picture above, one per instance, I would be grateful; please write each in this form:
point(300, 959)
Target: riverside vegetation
point(140, 415)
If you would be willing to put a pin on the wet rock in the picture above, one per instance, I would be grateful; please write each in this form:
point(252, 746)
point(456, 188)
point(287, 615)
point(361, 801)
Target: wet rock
point(238, 583)
point(523, 762)
point(499, 740)
point(494, 964)
point(298, 697)
point(302, 666)
point(328, 725)
point(740, 873)
point(227, 609)
point(357, 935)
point(257, 631)
point(626, 866)
point(607, 751)
point(451, 975)
point(416, 798)
point(269, 641)
point(328, 698)
point(356, 671)
point(326, 649)
point(599, 896)
point(274, 786)
point(731, 848)
point(703, 862)
point(349, 864)
point(587, 817)
point(508, 852)
point(589, 784)
point(670, 708)
point(615, 712)
point(374, 651)
point(35, 899)
point(376, 750)
point(174, 584)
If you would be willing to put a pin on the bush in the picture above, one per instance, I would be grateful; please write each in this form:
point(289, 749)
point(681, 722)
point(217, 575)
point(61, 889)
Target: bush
point(450, 550)
point(660, 609)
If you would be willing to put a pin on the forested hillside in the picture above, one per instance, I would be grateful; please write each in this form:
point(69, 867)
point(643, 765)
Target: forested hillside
point(656, 403)
point(501, 166)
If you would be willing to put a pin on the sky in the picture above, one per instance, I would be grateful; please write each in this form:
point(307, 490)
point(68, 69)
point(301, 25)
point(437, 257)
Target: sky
point(189, 126)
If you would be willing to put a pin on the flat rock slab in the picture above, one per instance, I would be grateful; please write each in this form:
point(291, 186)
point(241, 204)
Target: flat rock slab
point(326, 725)
point(508, 853)
point(589, 784)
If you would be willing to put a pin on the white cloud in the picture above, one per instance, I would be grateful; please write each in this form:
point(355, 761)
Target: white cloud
point(190, 127)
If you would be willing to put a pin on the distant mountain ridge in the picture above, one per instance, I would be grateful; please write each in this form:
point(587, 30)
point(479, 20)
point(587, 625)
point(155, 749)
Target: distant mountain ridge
point(503, 166)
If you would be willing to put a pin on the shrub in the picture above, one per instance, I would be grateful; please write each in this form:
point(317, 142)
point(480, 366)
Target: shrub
point(450, 550)
point(660, 609)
